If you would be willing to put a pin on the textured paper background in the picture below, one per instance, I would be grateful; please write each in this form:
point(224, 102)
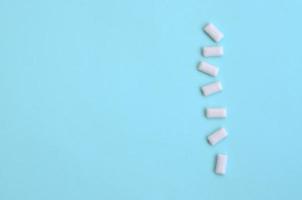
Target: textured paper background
point(101, 100)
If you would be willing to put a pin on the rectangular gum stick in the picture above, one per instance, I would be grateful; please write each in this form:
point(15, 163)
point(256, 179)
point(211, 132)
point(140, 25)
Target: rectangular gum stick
point(211, 88)
point(217, 136)
point(213, 32)
point(221, 164)
point(213, 51)
point(207, 68)
point(216, 112)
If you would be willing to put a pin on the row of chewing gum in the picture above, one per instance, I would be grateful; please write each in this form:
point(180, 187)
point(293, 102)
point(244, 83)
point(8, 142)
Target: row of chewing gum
point(212, 88)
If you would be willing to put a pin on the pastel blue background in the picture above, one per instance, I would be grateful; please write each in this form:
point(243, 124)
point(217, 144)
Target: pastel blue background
point(101, 100)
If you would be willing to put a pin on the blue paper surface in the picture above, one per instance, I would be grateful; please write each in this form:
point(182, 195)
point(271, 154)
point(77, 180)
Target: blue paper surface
point(101, 100)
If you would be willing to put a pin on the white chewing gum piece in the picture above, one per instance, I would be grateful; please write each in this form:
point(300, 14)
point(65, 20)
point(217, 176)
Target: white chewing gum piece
point(216, 112)
point(221, 164)
point(213, 51)
point(213, 32)
point(217, 136)
point(211, 88)
point(208, 69)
